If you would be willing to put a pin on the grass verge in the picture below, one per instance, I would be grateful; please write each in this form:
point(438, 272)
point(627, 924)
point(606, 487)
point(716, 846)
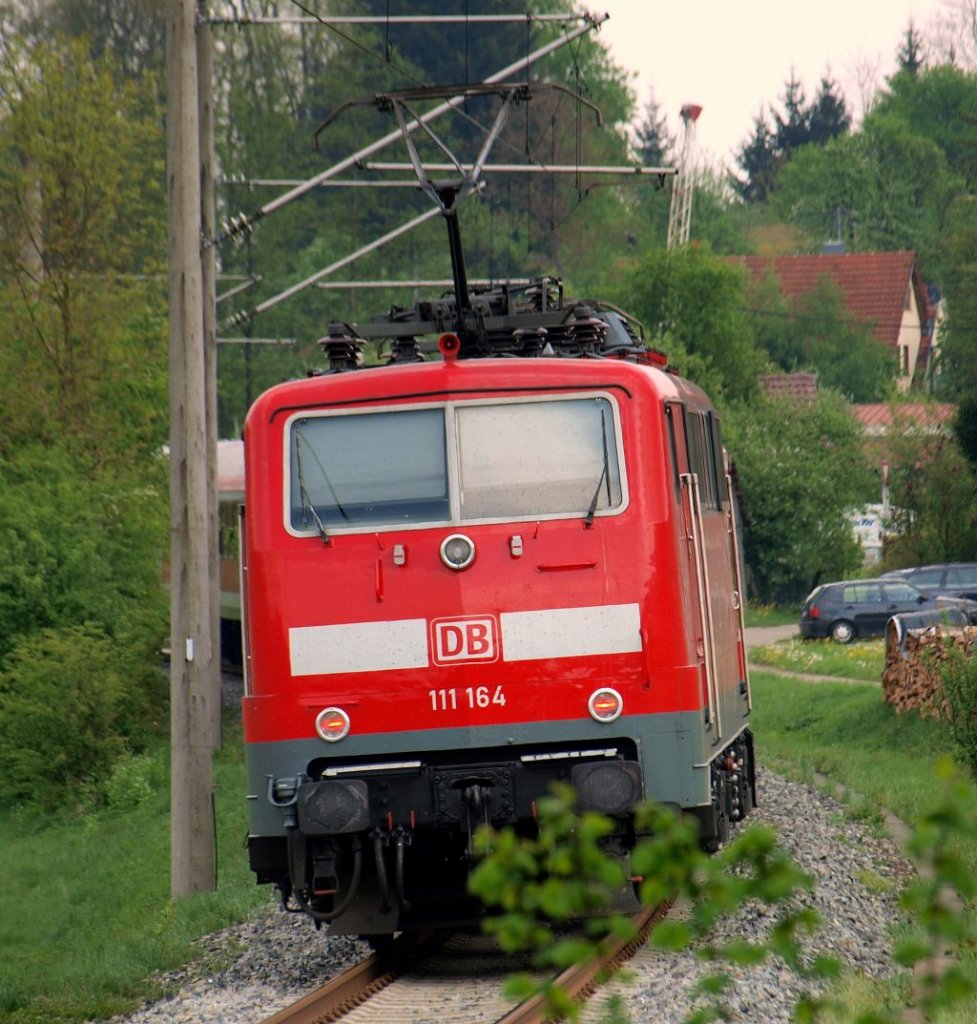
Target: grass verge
point(863, 659)
point(850, 737)
point(770, 615)
point(87, 915)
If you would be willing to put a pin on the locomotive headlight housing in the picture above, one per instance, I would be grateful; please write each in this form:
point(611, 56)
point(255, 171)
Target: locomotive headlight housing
point(457, 551)
point(605, 705)
point(332, 724)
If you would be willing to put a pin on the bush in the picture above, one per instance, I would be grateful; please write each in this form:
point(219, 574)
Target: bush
point(67, 708)
point(959, 676)
point(566, 873)
point(133, 781)
point(79, 544)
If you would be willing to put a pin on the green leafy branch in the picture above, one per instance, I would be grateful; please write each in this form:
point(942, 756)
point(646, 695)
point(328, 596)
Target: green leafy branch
point(567, 873)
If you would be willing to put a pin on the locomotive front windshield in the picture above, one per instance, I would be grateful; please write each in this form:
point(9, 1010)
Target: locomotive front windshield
point(455, 462)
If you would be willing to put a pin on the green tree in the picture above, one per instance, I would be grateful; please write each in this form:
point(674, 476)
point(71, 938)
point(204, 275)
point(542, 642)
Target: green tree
point(844, 353)
point(654, 144)
point(965, 428)
point(80, 543)
point(816, 333)
point(801, 469)
point(933, 491)
point(764, 154)
point(827, 115)
point(910, 54)
point(757, 157)
point(73, 701)
point(694, 302)
point(281, 86)
point(792, 127)
point(716, 223)
point(940, 104)
point(825, 190)
point(956, 369)
point(81, 236)
point(884, 188)
point(774, 323)
point(133, 32)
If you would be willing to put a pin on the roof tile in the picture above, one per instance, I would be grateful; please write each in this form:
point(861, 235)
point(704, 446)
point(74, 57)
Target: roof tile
point(873, 284)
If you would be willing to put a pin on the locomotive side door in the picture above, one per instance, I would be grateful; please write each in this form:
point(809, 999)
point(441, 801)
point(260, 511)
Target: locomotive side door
point(696, 566)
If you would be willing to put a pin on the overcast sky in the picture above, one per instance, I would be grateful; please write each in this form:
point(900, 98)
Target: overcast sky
point(733, 58)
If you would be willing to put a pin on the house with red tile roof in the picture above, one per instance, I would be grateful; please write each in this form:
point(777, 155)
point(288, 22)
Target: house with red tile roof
point(791, 385)
point(884, 290)
point(879, 418)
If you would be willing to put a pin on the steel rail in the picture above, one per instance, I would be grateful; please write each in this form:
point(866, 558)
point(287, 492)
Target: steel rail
point(581, 980)
point(344, 992)
point(354, 987)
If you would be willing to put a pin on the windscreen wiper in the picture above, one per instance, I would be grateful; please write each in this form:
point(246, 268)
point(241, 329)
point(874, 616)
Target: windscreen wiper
point(307, 505)
point(605, 476)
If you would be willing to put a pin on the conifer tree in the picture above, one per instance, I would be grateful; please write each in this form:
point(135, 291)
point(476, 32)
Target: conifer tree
point(757, 157)
point(910, 53)
point(792, 128)
point(653, 141)
point(799, 124)
point(828, 115)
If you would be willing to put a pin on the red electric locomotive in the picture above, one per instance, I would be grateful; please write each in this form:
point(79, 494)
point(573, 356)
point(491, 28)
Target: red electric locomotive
point(469, 576)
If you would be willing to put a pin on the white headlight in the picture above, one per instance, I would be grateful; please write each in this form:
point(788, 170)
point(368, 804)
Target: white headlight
point(457, 551)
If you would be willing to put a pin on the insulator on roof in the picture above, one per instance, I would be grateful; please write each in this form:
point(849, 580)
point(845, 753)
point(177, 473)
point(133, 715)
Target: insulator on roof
point(530, 339)
point(342, 347)
point(405, 350)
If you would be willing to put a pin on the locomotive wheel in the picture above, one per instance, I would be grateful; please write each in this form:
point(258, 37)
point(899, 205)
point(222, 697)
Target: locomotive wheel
point(379, 943)
point(842, 631)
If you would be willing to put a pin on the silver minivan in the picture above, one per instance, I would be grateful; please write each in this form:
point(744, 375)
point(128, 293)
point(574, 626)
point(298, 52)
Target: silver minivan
point(958, 579)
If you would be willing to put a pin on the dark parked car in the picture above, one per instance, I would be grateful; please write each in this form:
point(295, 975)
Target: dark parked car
point(852, 608)
point(958, 579)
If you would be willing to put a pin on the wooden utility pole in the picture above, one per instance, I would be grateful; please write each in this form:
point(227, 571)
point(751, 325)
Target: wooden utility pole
point(191, 699)
point(208, 228)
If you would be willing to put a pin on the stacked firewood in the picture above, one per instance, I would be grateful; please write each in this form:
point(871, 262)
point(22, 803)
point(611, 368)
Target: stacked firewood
point(911, 677)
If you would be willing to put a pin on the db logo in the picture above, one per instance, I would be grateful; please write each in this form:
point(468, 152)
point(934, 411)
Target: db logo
point(473, 638)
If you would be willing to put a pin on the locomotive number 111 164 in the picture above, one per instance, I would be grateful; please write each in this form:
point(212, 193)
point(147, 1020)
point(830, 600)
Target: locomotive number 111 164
point(470, 697)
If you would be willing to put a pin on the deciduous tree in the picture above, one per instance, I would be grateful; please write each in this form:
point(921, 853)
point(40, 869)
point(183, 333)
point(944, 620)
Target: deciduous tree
point(694, 301)
point(81, 238)
point(801, 470)
point(816, 333)
point(933, 491)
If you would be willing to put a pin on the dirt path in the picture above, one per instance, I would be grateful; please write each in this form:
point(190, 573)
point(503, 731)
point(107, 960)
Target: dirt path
point(760, 636)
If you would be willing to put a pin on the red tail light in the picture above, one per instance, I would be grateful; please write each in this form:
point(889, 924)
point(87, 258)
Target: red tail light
point(814, 612)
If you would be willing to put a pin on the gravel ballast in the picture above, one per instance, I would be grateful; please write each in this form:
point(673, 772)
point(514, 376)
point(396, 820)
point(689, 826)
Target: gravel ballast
point(278, 957)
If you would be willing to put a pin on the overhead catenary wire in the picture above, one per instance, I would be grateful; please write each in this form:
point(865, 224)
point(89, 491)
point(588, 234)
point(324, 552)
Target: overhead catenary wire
point(331, 20)
point(245, 222)
point(247, 315)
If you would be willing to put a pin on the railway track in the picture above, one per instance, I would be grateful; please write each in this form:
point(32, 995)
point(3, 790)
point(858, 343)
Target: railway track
point(449, 979)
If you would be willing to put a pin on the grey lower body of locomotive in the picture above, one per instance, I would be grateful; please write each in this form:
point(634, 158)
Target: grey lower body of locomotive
point(380, 839)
